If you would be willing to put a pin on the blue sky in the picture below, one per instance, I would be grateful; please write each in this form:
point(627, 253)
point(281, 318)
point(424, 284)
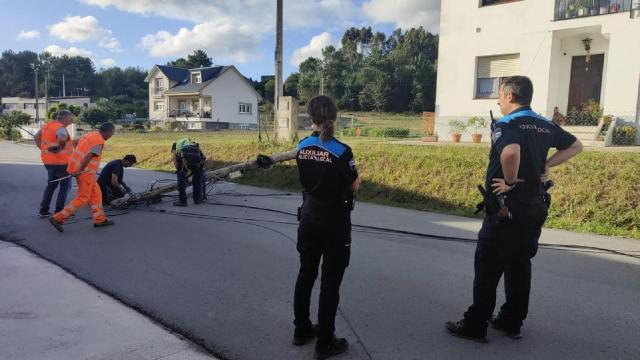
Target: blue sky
point(239, 32)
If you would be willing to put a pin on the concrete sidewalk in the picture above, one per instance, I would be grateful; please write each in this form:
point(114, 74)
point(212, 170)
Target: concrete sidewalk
point(45, 313)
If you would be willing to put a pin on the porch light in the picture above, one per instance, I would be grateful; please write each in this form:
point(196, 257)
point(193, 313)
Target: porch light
point(587, 49)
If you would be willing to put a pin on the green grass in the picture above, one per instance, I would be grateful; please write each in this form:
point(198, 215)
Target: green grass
point(597, 192)
point(365, 119)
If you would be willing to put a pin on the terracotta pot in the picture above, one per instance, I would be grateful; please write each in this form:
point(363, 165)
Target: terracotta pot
point(456, 138)
point(477, 138)
point(358, 131)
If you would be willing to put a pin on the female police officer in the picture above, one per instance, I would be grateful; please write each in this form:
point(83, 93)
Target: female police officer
point(329, 177)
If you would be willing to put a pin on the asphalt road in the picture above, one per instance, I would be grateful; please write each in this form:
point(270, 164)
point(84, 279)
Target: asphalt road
point(224, 276)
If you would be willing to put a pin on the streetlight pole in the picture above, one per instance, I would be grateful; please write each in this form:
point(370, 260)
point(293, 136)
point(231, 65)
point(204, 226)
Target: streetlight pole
point(278, 81)
point(35, 70)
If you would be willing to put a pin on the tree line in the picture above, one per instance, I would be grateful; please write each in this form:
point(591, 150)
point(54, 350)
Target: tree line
point(373, 72)
point(124, 88)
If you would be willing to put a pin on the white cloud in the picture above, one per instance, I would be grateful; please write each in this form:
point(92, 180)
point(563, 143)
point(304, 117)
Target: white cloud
point(76, 29)
point(108, 62)
point(28, 35)
point(405, 13)
point(57, 50)
point(221, 41)
point(313, 49)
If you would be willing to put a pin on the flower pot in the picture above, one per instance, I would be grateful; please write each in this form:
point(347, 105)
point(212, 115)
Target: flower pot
point(456, 138)
point(477, 138)
point(615, 8)
point(430, 138)
point(358, 131)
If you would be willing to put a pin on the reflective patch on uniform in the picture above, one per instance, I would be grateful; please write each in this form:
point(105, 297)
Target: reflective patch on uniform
point(352, 164)
point(495, 135)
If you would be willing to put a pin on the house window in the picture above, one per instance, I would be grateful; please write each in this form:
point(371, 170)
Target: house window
point(9, 106)
point(244, 108)
point(28, 106)
point(158, 105)
point(490, 70)
point(196, 78)
point(158, 86)
point(495, 2)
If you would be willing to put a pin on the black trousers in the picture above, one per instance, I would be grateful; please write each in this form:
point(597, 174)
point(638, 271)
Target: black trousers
point(196, 181)
point(110, 193)
point(324, 232)
point(506, 247)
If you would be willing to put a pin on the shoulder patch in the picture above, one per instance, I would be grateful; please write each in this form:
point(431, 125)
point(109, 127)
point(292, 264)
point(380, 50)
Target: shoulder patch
point(496, 134)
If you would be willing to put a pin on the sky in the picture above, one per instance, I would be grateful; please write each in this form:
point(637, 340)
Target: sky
point(142, 33)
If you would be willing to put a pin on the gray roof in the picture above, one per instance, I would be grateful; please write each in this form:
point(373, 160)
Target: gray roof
point(208, 75)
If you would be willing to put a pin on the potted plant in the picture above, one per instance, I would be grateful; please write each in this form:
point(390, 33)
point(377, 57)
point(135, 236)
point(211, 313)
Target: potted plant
point(615, 7)
point(583, 7)
point(477, 123)
point(430, 136)
point(604, 7)
point(457, 128)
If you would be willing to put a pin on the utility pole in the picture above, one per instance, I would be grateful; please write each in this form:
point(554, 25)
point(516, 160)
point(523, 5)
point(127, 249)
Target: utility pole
point(35, 70)
point(278, 83)
point(46, 89)
point(64, 90)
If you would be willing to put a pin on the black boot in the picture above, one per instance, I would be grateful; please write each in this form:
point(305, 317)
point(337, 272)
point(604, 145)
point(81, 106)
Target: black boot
point(107, 222)
point(302, 336)
point(334, 347)
point(512, 331)
point(465, 331)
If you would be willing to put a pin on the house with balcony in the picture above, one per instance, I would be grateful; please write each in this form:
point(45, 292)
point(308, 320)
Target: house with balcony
point(210, 98)
point(573, 51)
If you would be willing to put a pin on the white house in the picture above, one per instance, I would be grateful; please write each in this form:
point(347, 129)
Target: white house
point(28, 105)
point(573, 51)
point(209, 98)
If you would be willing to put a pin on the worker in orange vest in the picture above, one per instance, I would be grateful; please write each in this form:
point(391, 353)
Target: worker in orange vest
point(55, 151)
point(84, 165)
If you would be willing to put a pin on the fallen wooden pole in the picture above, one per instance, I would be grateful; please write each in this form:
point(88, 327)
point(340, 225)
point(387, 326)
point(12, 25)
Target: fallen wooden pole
point(217, 174)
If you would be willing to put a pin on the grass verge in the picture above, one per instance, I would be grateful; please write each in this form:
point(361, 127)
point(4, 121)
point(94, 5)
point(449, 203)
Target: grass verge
point(597, 192)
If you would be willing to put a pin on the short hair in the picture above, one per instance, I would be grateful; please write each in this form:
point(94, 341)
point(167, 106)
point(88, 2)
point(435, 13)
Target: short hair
point(520, 87)
point(130, 158)
point(107, 127)
point(63, 114)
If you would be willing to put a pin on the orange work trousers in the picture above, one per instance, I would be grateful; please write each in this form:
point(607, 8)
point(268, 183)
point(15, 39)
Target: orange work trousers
point(88, 192)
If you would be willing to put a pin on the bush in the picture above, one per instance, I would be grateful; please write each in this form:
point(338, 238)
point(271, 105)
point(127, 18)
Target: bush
point(588, 115)
point(12, 135)
point(156, 129)
point(625, 135)
point(477, 123)
point(457, 126)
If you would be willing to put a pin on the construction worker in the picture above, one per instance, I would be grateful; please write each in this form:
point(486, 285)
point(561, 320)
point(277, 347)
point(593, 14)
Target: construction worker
point(84, 165)
point(515, 210)
point(111, 179)
point(188, 160)
point(56, 147)
point(329, 177)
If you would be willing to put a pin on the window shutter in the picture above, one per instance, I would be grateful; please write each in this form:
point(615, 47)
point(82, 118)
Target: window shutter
point(498, 66)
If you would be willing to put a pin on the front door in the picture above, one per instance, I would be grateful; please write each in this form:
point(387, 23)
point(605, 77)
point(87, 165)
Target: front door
point(586, 80)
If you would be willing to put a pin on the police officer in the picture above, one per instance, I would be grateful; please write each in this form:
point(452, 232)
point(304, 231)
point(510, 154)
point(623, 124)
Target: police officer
point(515, 210)
point(329, 177)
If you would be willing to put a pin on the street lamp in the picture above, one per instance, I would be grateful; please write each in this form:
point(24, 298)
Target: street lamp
point(34, 67)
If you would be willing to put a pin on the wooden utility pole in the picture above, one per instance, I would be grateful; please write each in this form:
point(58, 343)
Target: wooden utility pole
point(278, 82)
point(217, 174)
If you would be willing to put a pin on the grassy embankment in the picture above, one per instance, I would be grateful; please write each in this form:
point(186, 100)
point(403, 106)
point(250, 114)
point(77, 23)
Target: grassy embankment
point(597, 192)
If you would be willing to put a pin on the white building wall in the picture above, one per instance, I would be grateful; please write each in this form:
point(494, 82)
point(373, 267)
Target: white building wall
point(527, 28)
point(227, 91)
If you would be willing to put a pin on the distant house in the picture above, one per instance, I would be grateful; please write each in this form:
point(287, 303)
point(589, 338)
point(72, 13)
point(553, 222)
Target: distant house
point(573, 51)
point(211, 98)
point(28, 105)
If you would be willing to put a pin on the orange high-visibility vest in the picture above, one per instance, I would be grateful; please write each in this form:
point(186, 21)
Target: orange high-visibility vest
point(86, 142)
point(49, 138)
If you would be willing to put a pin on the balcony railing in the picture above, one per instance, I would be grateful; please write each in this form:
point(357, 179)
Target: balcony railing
point(202, 113)
point(572, 9)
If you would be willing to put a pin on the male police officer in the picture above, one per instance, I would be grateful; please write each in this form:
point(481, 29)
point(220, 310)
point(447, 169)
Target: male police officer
point(515, 210)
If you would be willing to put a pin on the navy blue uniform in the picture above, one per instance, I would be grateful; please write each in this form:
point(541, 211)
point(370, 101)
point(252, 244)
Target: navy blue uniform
point(327, 171)
point(110, 192)
point(507, 245)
